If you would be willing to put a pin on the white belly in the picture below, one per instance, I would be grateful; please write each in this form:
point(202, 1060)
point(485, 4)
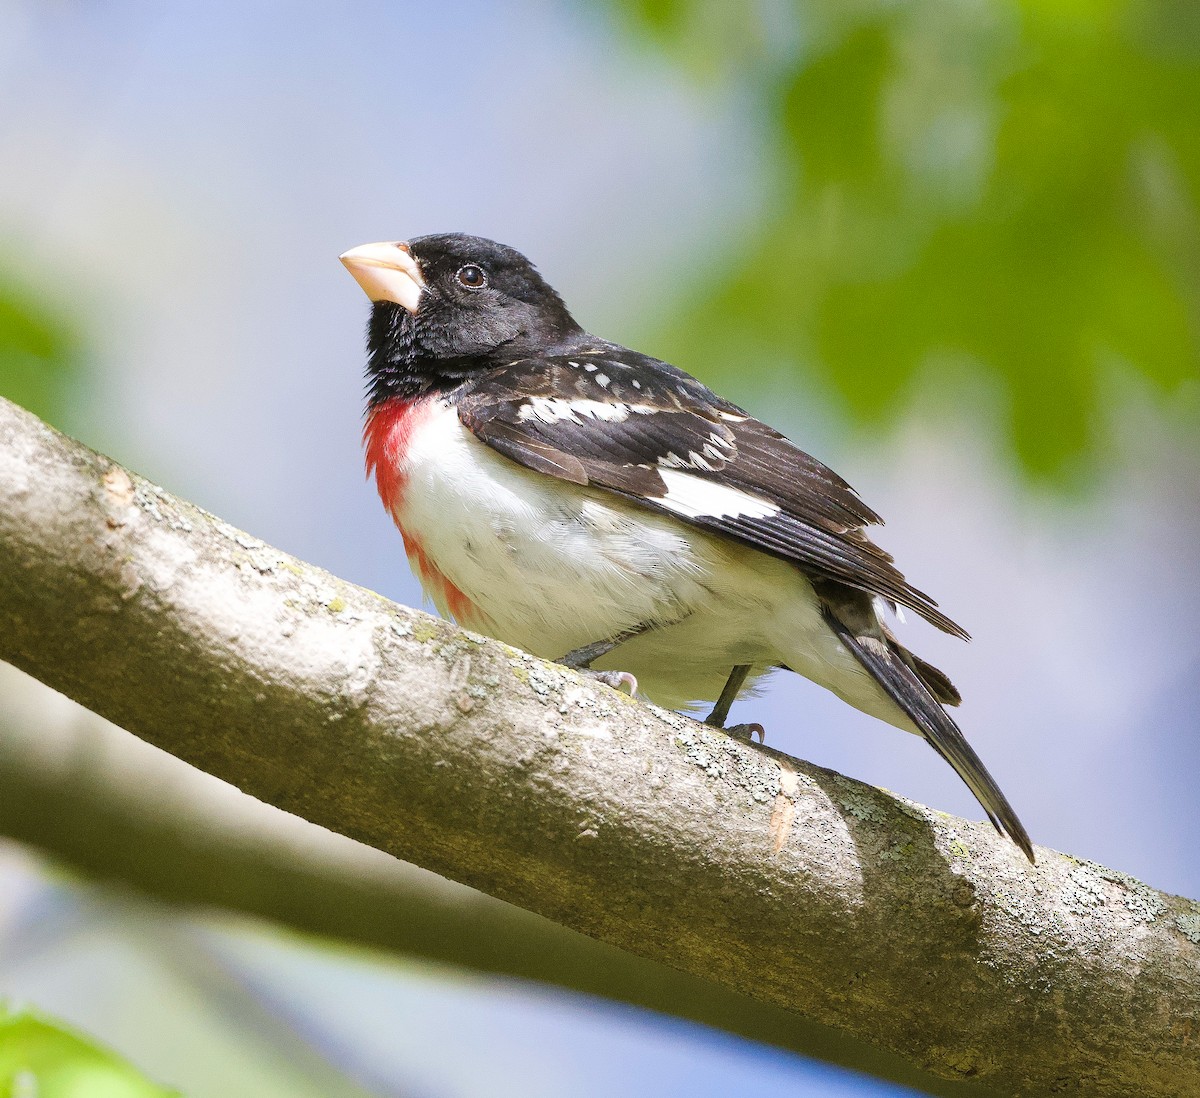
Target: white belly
point(549, 566)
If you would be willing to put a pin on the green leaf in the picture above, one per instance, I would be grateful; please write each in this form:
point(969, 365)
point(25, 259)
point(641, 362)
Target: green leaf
point(1012, 183)
point(39, 354)
point(40, 1059)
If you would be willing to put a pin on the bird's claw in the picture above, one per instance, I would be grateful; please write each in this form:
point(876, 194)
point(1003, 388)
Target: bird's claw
point(615, 679)
point(747, 732)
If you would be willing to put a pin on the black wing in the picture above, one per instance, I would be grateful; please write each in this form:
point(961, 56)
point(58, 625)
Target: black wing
point(648, 431)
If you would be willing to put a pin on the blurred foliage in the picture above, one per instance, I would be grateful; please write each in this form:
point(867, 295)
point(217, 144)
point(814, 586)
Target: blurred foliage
point(1012, 184)
point(38, 1059)
point(38, 351)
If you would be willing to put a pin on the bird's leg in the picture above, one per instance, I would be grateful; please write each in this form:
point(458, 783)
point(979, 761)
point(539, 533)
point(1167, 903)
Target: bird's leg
point(720, 711)
point(580, 659)
point(730, 691)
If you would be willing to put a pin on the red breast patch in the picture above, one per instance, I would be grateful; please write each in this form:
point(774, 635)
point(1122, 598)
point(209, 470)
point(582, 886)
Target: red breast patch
point(437, 583)
point(386, 436)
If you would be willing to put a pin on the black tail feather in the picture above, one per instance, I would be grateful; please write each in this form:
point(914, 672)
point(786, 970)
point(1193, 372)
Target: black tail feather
point(938, 682)
point(883, 658)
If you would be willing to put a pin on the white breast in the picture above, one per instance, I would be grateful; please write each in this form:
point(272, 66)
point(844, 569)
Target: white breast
point(550, 566)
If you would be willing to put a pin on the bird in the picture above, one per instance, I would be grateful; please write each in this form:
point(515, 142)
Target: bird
point(605, 509)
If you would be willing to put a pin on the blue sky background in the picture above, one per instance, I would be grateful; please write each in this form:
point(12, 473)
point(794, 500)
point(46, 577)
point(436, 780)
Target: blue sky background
point(182, 178)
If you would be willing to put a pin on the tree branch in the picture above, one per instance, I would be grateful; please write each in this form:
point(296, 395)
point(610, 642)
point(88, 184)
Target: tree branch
point(117, 809)
point(925, 934)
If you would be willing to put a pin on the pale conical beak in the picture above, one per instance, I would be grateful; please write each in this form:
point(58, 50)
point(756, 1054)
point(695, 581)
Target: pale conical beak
point(386, 272)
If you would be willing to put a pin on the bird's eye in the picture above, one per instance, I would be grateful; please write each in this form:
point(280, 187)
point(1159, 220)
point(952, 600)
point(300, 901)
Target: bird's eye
point(472, 277)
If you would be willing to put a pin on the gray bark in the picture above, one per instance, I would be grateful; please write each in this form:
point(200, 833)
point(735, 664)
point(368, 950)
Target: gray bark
point(925, 934)
point(125, 814)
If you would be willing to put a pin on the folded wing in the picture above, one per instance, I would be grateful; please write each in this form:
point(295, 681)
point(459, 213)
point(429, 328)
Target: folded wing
point(630, 424)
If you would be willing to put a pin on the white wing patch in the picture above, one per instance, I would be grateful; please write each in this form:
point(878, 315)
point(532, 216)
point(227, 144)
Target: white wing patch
point(717, 449)
point(694, 497)
point(557, 409)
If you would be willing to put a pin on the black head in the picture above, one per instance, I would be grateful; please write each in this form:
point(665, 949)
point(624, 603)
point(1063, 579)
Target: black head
point(448, 306)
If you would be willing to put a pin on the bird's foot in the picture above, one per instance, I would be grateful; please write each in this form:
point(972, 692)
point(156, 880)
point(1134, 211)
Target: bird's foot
point(615, 679)
point(580, 660)
point(745, 732)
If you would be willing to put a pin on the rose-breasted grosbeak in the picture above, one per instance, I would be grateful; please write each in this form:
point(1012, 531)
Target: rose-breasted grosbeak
point(593, 505)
